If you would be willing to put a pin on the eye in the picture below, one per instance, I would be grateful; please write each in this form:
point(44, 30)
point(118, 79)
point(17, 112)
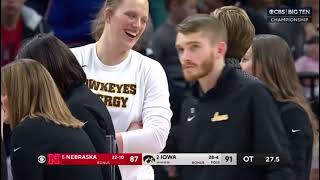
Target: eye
point(179, 50)
point(244, 59)
point(144, 20)
point(131, 14)
point(194, 47)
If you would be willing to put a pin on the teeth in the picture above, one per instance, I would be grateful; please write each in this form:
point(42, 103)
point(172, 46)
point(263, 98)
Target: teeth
point(131, 33)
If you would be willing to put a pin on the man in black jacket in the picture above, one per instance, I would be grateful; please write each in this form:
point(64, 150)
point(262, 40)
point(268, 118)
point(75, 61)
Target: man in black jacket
point(231, 112)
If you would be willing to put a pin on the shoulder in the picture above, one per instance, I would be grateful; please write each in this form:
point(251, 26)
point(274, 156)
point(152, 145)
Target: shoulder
point(259, 94)
point(83, 49)
point(288, 106)
point(23, 129)
point(78, 94)
point(293, 114)
point(32, 121)
point(83, 103)
point(83, 53)
point(78, 107)
point(249, 84)
point(292, 109)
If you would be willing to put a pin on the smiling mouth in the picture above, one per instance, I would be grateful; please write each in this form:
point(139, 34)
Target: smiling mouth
point(131, 34)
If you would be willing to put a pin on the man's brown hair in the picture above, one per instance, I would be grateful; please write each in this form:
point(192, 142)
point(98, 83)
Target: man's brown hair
point(203, 22)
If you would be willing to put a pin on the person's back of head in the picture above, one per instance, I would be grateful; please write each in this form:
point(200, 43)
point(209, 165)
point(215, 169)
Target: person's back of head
point(30, 91)
point(57, 58)
point(239, 27)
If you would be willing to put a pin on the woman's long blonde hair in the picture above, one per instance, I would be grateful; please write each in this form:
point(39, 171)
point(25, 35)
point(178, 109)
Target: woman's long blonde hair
point(273, 64)
point(31, 92)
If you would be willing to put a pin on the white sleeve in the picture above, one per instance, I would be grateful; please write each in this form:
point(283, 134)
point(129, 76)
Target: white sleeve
point(156, 115)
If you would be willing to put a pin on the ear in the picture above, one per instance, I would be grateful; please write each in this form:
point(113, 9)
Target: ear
point(4, 101)
point(107, 14)
point(221, 49)
point(4, 109)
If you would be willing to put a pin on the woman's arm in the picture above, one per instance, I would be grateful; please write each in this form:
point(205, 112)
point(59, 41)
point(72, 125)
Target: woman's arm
point(156, 115)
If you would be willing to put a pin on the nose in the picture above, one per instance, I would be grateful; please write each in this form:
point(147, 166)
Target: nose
point(137, 23)
point(184, 56)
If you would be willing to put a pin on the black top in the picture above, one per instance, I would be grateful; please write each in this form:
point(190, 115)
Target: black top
point(38, 136)
point(300, 135)
point(87, 107)
point(251, 124)
point(4, 173)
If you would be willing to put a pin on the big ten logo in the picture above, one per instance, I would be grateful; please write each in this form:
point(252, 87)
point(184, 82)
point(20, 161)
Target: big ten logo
point(300, 11)
point(293, 11)
point(54, 159)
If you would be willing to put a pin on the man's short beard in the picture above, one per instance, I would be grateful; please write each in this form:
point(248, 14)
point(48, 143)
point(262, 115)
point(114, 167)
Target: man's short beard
point(205, 69)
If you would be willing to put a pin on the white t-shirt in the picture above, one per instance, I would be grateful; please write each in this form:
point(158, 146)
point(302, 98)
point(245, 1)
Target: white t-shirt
point(134, 90)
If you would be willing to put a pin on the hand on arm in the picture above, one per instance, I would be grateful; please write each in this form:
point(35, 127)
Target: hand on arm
point(133, 126)
point(156, 115)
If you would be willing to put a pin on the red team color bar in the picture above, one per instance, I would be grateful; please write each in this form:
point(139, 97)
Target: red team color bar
point(94, 159)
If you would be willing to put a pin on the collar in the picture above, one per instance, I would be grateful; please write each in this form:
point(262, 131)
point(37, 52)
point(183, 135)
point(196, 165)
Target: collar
point(233, 62)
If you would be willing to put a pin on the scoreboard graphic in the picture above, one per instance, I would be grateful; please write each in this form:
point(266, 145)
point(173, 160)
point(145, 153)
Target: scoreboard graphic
point(195, 159)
